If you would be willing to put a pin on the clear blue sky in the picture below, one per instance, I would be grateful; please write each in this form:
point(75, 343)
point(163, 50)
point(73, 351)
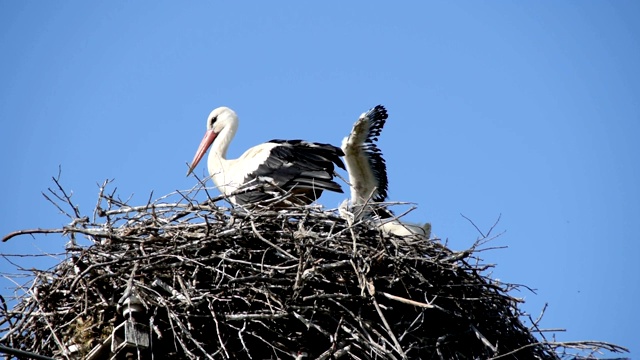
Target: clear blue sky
point(526, 109)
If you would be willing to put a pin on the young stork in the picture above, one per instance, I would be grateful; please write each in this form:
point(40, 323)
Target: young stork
point(267, 170)
point(368, 174)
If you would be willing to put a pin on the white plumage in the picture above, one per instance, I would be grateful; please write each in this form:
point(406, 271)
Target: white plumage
point(304, 169)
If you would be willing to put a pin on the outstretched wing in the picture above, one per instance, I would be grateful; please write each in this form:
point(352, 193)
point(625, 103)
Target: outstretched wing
point(365, 164)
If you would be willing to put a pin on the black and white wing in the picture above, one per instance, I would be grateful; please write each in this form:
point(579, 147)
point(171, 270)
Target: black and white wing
point(365, 164)
point(301, 167)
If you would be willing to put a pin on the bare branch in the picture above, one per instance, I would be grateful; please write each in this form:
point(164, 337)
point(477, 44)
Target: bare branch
point(220, 282)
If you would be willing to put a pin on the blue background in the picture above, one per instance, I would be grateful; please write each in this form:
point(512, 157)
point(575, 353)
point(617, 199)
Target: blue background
point(525, 109)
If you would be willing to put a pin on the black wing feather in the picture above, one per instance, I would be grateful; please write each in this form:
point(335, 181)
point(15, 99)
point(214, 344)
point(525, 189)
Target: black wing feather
point(295, 164)
point(378, 117)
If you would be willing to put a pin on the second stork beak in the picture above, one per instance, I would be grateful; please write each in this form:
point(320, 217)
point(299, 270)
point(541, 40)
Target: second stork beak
point(206, 142)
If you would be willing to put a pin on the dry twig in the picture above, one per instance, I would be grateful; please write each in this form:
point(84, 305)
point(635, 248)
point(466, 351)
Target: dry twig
point(223, 283)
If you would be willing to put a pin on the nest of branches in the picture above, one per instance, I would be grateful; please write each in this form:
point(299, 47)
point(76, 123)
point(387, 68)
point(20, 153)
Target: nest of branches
point(209, 281)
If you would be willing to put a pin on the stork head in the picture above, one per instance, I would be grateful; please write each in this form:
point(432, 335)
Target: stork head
point(219, 119)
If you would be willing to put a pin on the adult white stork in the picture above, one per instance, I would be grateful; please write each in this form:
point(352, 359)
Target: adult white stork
point(368, 174)
point(268, 170)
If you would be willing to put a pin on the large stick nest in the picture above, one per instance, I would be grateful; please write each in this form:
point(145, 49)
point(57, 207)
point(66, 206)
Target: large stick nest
point(218, 283)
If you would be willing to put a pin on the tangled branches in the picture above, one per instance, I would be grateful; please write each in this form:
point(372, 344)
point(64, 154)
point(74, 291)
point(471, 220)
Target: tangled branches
point(207, 281)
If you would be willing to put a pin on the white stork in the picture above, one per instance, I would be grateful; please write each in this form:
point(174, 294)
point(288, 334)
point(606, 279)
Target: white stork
point(368, 174)
point(267, 170)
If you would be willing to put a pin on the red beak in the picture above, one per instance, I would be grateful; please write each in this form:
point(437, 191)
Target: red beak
point(206, 142)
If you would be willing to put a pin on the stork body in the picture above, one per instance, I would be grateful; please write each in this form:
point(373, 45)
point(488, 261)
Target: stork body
point(265, 171)
point(368, 175)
